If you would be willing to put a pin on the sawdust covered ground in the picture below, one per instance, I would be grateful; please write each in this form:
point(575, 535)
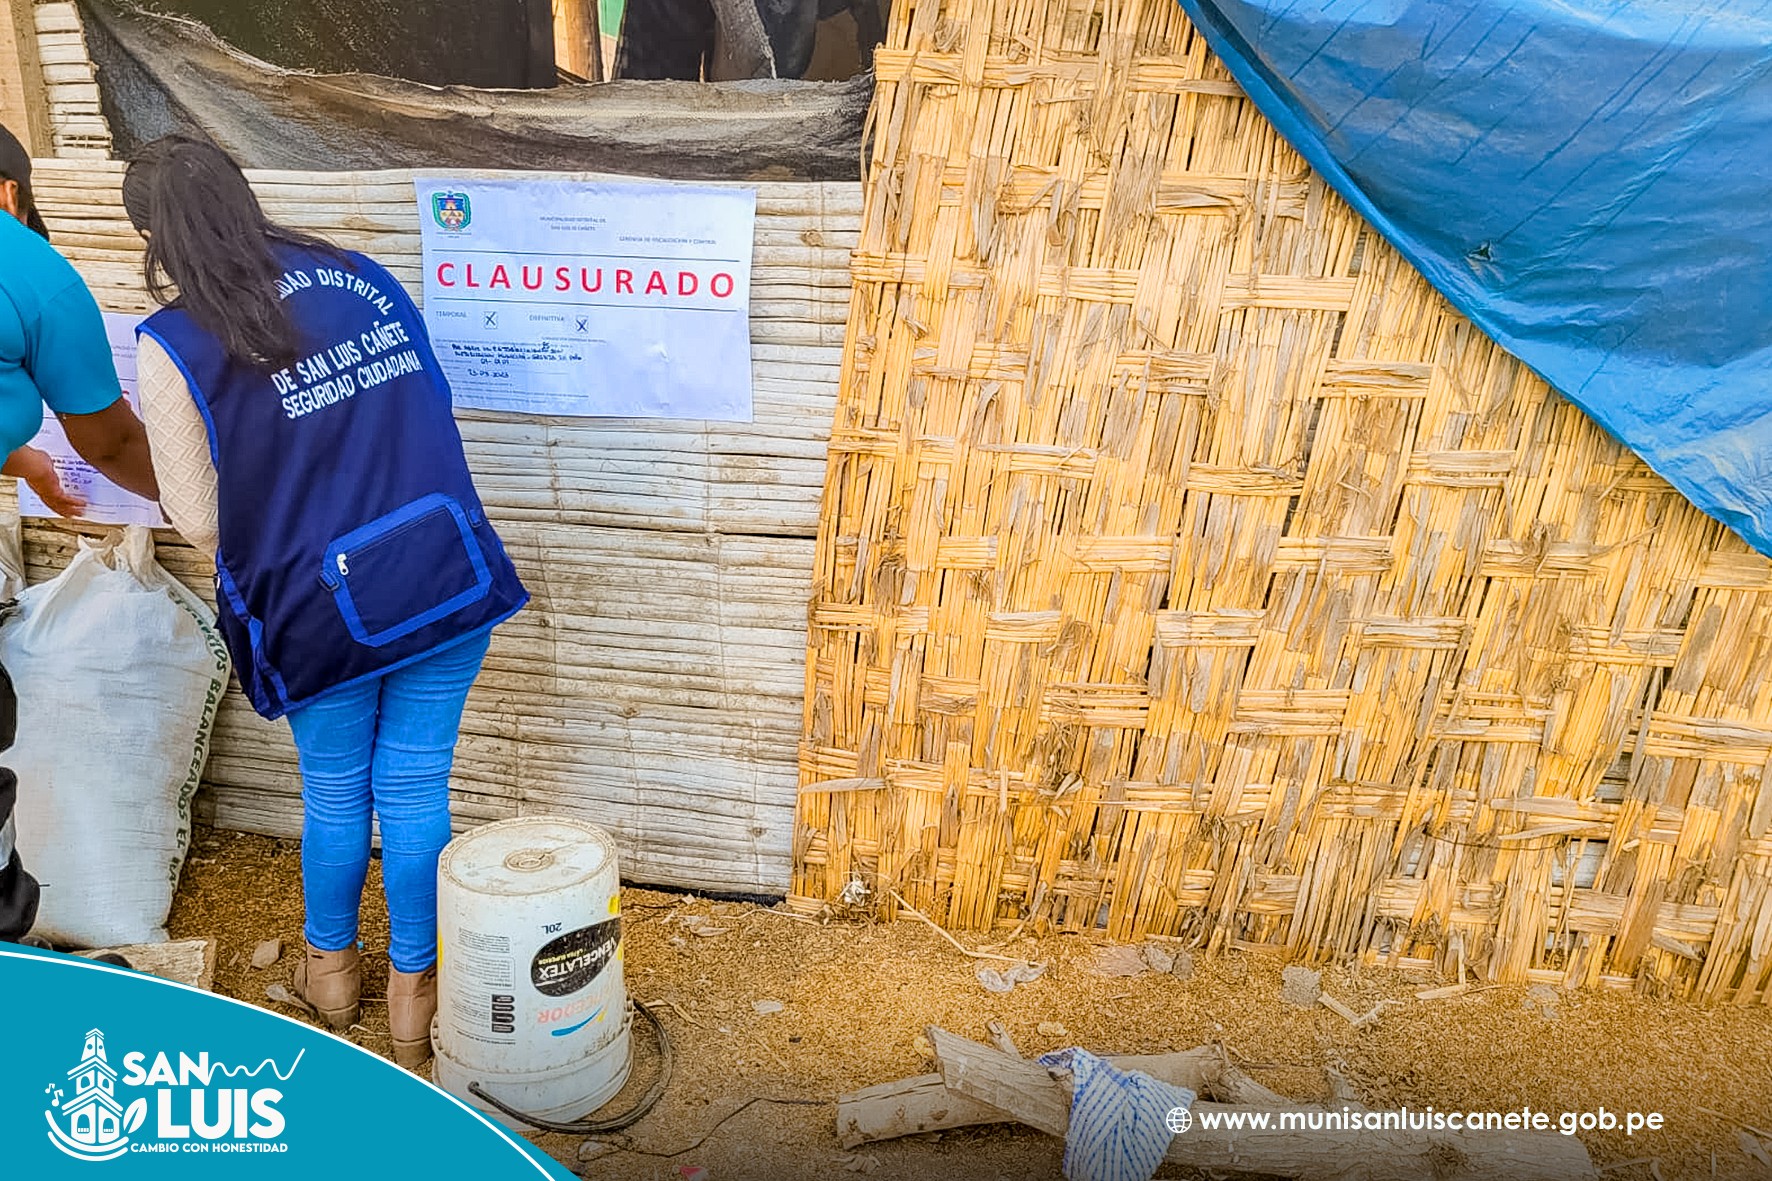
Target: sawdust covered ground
point(856, 997)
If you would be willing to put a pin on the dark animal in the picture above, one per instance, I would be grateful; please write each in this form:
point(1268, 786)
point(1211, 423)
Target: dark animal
point(724, 40)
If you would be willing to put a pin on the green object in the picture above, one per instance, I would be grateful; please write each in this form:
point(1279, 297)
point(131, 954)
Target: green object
point(609, 14)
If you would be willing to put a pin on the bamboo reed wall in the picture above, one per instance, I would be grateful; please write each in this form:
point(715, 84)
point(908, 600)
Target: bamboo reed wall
point(76, 118)
point(654, 684)
point(1186, 565)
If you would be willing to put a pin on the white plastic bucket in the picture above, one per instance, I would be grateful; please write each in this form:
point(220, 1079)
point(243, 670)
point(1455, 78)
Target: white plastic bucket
point(530, 1001)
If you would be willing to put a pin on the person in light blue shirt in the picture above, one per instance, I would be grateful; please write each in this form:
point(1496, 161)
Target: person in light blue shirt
point(54, 353)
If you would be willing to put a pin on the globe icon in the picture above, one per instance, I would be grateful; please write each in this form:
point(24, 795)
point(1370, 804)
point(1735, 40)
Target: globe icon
point(1179, 1120)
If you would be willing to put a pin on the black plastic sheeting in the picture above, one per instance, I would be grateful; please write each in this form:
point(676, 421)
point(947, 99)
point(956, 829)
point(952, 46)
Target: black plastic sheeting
point(486, 43)
point(158, 75)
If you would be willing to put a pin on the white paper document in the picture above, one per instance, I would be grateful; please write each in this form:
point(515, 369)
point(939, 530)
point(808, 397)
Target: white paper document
point(106, 504)
point(581, 298)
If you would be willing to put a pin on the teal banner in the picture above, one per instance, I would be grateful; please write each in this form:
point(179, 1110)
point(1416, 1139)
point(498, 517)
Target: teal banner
point(107, 1073)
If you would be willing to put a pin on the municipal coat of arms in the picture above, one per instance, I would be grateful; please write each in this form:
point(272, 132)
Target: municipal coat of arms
point(452, 210)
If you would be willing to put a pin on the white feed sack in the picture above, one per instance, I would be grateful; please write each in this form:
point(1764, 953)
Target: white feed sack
point(119, 671)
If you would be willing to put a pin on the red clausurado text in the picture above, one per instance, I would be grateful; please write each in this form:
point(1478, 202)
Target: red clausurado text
point(661, 282)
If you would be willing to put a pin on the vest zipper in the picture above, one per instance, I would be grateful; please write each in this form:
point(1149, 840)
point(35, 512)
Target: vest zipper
point(333, 578)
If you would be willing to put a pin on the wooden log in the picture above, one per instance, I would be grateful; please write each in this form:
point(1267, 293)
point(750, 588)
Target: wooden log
point(906, 1107)
point(24, 102)
point(185, 961)
point(1030, 1094)
point(925, 1104)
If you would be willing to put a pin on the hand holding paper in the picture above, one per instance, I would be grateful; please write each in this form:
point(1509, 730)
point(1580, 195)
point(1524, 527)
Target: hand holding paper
point(82, 491)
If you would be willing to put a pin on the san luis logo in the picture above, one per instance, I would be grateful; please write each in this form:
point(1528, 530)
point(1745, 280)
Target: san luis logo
point(89, 1118)
point(453, 211)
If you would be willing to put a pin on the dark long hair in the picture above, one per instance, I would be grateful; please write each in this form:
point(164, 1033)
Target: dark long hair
point(211, 249)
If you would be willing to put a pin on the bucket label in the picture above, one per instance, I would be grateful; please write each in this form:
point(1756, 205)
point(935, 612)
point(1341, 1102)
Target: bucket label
point(575, 958)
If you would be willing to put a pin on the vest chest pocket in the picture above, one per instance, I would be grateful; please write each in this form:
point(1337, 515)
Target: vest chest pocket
point(406, 569)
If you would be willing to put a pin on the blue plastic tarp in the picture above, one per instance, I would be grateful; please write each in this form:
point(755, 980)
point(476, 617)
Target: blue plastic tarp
point(1591, 183)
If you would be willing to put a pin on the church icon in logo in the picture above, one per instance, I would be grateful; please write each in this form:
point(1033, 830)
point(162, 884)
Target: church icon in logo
point(92, 1125)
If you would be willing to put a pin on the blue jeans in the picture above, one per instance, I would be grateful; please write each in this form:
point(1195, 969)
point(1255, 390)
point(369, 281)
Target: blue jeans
point(384, 745)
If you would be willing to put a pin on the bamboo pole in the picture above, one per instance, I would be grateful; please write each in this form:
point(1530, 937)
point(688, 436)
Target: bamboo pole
point(24, 101)
point(578, 44)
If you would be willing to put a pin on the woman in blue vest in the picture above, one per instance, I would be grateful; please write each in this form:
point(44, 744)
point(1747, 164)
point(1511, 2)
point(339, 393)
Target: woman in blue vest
point(357, 577)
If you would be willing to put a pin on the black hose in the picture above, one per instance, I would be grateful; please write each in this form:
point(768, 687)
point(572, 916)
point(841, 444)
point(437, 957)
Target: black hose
point(588, 1127)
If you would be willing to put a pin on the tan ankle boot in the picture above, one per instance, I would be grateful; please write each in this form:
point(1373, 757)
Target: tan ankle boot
point(412, 1002)
point(331, 981)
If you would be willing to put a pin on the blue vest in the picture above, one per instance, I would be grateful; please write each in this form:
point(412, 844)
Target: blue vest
point(352, 541)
